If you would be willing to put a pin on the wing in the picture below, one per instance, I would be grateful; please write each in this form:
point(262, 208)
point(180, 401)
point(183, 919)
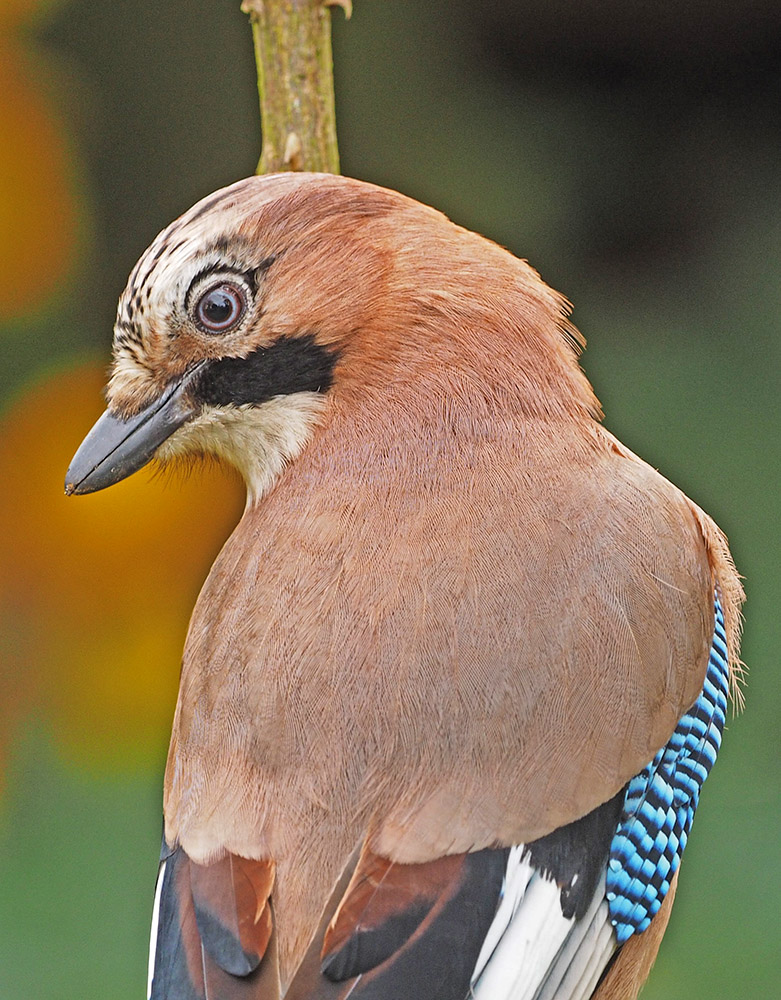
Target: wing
point(576, 914)
point(577, 911)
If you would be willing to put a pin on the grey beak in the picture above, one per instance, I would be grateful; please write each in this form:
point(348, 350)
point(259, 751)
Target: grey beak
point(116, 448)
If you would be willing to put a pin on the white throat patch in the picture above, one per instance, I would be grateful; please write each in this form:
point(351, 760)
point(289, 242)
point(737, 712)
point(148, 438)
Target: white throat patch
point(259, 441)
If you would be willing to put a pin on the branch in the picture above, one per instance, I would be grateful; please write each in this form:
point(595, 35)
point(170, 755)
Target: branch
point(295, 83)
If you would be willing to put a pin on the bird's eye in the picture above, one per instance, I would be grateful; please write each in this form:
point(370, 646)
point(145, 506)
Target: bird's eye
point(220, 308)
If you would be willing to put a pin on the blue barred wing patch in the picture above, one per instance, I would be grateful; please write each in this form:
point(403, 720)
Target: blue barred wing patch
point(661, 800)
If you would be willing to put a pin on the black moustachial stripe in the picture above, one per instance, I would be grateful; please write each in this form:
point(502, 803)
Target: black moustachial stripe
point(291, 364)
point(578, 849)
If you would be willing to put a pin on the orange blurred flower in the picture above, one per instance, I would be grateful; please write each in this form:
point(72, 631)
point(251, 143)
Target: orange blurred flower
point(13, 12)
point(38, 211)
point(96, 591)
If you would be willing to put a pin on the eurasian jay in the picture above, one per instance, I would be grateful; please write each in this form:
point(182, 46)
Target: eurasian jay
point(452, 686)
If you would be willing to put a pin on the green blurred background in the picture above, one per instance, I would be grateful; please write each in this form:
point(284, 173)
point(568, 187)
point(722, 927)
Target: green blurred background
point(629, 150)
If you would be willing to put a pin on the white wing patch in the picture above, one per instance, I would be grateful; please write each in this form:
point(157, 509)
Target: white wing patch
point(532, 951)
point(155, 925)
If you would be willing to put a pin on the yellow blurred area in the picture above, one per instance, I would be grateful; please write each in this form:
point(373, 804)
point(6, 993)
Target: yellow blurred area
point(97, 590)
point(114, 690)
point(38, 213)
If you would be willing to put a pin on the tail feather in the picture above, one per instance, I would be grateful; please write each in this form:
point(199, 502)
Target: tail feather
point(230, 898)
point(212, 931)
point(406, 931)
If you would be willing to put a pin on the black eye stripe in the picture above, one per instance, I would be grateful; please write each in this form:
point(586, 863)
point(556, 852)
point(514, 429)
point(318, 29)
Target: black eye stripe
point(291, 364)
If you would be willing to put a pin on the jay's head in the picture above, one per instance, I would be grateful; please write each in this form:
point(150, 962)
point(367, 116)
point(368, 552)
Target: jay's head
point(284, 303)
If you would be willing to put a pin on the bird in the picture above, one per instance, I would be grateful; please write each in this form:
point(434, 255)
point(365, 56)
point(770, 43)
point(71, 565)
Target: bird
point(452, 687)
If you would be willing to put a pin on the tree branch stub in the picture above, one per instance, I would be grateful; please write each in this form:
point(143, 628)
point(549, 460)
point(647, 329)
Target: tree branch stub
point(292, 41)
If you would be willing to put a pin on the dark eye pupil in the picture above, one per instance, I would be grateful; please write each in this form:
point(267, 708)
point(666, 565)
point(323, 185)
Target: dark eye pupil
point(220, 307)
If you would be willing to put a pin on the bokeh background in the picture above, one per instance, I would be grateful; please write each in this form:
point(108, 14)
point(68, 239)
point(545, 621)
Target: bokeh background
point(629, 150)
